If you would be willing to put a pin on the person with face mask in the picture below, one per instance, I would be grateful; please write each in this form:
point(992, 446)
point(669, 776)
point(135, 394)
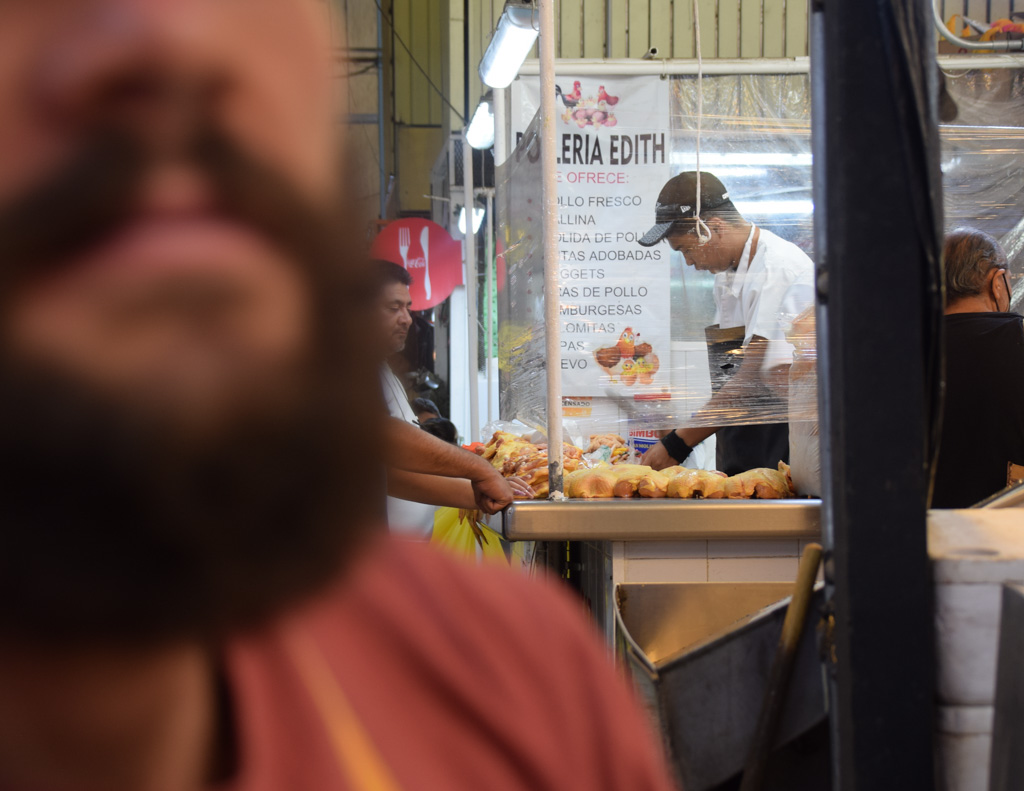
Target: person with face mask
point(761, 283)
point(983, 416)
point(198, 590)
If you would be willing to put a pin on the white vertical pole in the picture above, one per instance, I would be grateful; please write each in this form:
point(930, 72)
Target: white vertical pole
point(489, 302)
point(458, 362)
point(472, 330)
point(500, 155)
point(500, 127)
point(549, 175)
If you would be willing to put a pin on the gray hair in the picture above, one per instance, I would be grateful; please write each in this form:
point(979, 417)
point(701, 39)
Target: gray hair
point(969, 256)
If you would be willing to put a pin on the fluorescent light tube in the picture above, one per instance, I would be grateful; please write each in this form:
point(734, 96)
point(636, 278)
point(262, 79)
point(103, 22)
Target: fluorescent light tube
point(481, 129)
point(478, 218)
point(513, 39)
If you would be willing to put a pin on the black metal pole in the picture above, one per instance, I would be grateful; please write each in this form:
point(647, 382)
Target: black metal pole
point(878, 230)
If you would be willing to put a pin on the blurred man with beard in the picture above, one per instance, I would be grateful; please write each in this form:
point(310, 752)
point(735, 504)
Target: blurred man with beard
point(194, 591)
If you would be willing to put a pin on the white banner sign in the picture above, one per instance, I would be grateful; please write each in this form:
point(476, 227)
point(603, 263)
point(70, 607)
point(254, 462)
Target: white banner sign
point(612, 150)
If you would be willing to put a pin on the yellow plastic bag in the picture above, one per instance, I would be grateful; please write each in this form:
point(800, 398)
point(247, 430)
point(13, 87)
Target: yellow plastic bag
point(463, 534)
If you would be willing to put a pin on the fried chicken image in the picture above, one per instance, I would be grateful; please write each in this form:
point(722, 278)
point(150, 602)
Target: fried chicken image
point(626, 343)
point(608, 358)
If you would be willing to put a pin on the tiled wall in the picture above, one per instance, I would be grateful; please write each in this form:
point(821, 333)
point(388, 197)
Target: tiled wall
point(772, 560)
point(607, 564)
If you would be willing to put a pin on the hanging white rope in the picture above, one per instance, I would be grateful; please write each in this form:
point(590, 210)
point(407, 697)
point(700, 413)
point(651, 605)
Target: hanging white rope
point(703, 232)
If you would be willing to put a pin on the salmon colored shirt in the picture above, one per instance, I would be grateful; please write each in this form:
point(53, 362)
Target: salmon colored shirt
point(461, 677)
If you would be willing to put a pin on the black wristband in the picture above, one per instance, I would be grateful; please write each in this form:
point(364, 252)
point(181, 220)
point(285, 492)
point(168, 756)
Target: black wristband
point(676, 446)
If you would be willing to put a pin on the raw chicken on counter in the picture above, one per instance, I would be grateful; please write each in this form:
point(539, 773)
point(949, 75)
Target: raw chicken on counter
point(603, 471)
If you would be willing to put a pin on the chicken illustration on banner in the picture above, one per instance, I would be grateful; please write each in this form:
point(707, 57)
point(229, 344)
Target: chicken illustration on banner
point(630, 361)
point(569, 99)
point(590, 111)
point(602, 96)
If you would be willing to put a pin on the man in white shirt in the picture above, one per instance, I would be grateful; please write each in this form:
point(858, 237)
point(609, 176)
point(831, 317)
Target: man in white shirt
point(411, 519)
point(761, 283)
point(424, 471)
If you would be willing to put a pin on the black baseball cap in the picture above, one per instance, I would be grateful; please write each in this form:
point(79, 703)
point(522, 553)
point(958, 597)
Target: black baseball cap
point(678, 201)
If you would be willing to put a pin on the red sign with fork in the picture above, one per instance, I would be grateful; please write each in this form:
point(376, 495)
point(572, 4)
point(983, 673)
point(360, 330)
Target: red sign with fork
point(429, 254)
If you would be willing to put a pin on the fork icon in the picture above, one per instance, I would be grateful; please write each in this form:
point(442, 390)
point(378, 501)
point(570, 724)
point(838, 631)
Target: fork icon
point(404, 242)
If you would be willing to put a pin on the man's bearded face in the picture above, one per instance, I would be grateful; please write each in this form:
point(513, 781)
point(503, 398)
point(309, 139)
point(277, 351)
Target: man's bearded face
point(162, 293)
point(168, 283)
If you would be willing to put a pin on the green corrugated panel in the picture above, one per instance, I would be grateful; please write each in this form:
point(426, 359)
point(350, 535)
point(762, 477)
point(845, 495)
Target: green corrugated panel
point(571, 42)
point(619, 24)
point(682, 29)
point(403, 64)
point(639, 28)
point(434, 18)
point(419, 43)
point(708, 28)
point(558, 31)
point(729, 28)
point(593, 28)
point(660, 35)
point(453, 57)
point(750, 28)
point(796, 28)
point(479, 21)
point(774, 28)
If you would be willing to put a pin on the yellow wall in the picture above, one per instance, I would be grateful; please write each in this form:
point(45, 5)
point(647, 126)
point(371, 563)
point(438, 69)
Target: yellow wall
point(354, 64)
point(419, 23)
point(414, 110)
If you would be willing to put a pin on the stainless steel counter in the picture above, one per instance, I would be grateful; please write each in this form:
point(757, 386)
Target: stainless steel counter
point(1007, 498)
point(660, 520)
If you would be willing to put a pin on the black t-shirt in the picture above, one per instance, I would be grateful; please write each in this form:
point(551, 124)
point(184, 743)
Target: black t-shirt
point(983, 424)
point(742, 448)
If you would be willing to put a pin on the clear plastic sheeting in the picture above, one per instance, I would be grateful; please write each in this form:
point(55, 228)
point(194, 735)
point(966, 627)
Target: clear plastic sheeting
point(983, 161)
point(756, 140)
point(652, 339)
point(804, 437)
point(520, 284)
